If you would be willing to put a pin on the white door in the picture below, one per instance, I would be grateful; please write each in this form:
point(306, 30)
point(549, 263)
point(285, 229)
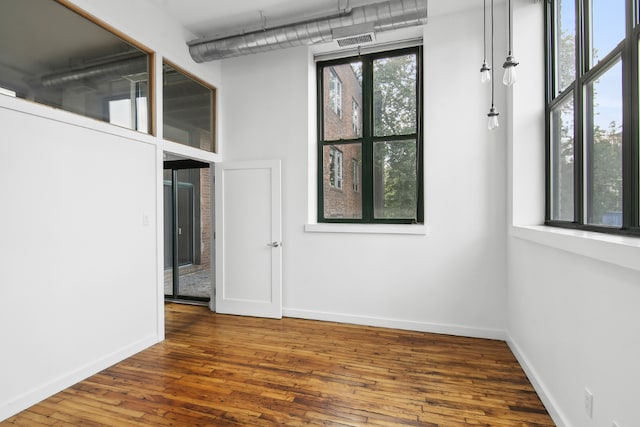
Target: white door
point(248, 239)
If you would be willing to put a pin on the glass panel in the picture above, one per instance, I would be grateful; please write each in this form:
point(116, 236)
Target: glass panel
point(342, 101)
point(607, 27)
point(603, 99)
point(565, 40)
point(562, 161)
point(168, 231)
point(394, 95)
point(395, 180)
point(342, 172)
point(187, 110)
point(84, 69)
point(193, 227)
point(194, 233)
point(131, 112)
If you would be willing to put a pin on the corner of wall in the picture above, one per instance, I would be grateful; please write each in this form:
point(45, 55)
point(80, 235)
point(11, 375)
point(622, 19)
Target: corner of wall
point(545, 396)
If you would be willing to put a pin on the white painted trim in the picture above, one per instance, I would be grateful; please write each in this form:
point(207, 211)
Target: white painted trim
point(190, 152)
point(409, 229)
point(30, 398)
point(543, 392)
point(408, 325)
point(159, 235)
point(58, 115)
point(619, 250)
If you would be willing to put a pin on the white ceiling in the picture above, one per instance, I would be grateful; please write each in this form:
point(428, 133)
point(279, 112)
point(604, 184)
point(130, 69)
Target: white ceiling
point(208, 18)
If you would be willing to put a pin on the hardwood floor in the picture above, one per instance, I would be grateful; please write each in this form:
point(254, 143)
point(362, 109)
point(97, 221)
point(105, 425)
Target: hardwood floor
point(216, 370)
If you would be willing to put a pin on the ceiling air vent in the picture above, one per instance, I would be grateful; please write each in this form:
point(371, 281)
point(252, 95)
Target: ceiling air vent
point(356, 40)
point(354, 34)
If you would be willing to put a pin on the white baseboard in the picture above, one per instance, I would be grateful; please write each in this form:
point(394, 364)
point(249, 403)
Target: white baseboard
point(547, 399)
point(30, 398)
point(409, 325)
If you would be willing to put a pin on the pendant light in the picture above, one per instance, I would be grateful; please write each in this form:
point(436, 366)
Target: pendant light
point(485, 71)
point(510, 63)
point(493, 114)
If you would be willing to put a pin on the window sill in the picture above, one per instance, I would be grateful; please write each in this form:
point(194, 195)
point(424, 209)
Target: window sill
point(408, 229)
point(623, 251)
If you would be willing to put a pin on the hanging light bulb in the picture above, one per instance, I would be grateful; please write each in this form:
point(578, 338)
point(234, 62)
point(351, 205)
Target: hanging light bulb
point(510, 63)
point(485, 73)
point(493, 122)
point(485, 70)
point(510, 76)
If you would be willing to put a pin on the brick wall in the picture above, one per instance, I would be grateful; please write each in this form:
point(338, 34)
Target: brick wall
point(345, 202)
point(205, 217)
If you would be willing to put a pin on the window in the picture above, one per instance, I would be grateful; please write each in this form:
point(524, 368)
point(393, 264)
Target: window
point(131, 111)
point(592, 114)
point(355, 172)
point(355, 117)
point(383, 138)
point(188, 109)
point(335, 93)
point(335, 168)
point(82, 68)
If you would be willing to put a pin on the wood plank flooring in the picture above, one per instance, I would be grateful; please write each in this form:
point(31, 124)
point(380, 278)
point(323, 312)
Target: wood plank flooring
point(216, 370)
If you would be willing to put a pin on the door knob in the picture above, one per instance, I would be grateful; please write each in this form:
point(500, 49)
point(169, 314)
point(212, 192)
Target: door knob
point(275, 244)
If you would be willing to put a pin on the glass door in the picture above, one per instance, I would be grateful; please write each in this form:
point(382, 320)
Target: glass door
point(187, 231)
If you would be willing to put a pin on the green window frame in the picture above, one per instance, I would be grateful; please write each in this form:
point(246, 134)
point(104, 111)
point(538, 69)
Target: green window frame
point(592, 111)
point(385, 183)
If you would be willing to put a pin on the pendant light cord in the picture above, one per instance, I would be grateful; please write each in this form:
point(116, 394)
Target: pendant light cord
point(484, 29)
point(510, 30)
point(492, 37)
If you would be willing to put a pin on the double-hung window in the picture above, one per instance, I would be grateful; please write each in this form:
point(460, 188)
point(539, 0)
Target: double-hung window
point(592, 115)
point(381, 135)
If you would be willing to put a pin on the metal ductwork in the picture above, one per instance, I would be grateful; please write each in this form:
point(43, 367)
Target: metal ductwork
point(388, 15)
point(115, 68)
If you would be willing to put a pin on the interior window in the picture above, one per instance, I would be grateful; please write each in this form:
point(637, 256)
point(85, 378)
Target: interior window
point(189, 109)
point(75, 65)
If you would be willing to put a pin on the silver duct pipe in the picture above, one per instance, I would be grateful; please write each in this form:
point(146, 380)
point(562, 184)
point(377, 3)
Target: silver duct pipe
point(119, 68)
point(388, 15)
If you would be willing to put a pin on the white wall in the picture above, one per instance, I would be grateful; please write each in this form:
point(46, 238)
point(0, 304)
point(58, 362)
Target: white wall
point(451, 280)
point(78, 265)
point(573, 318)
point(81, 247)
point(576, 322)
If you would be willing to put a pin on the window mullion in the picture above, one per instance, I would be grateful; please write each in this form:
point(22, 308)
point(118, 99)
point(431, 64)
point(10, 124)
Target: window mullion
point(320, 152)
point(419, 136)
point(367, 140)
point(549, 24)
point(630, 135)
point(582, 59)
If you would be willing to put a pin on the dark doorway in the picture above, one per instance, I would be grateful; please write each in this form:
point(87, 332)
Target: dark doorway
point(187, 231)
